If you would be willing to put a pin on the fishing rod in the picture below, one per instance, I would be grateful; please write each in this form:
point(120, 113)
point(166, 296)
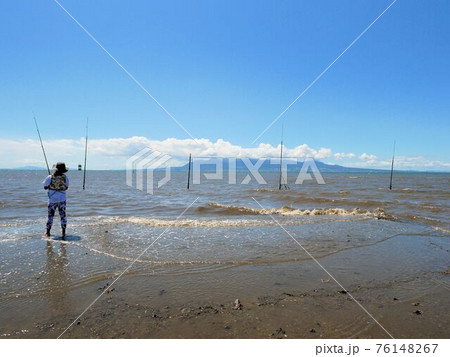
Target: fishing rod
point(42, 145)
point(43, 151)
point(85, 154)
point(392, 167)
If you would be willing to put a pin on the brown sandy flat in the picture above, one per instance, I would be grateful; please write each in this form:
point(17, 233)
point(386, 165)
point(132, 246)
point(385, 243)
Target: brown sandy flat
point(324, 313)
point(405, 289)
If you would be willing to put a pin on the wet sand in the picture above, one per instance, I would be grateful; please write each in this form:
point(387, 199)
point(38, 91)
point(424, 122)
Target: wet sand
point(404, 282)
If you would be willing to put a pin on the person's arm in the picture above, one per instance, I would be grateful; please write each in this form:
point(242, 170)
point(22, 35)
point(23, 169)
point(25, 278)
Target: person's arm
point(47, 182)
point(67, 183)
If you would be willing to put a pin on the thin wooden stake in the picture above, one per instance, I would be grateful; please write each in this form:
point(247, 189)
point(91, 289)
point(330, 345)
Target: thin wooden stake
point(85, 154)
point(281, 165)
point(189, 172)
point(392, 167)
point(280, 181)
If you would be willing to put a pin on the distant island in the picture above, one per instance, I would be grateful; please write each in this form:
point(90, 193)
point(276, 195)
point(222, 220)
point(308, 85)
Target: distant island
point(266, 166)
point(29, 168)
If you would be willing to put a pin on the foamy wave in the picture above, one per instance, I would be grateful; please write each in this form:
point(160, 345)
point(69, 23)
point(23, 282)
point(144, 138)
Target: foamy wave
point(289, 211)
point(211, 223)
point(440, 229)
point(154, 222)
point(264, 190)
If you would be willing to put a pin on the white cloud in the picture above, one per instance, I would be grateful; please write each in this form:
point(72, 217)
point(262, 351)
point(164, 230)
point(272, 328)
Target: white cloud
point(401, 162)
point(343, 155)
point(418, 162)
point(112, 153)
point(368, 157)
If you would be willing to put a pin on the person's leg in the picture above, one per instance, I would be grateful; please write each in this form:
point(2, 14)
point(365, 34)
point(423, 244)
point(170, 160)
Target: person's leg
point(51, 213)
point(62, 214)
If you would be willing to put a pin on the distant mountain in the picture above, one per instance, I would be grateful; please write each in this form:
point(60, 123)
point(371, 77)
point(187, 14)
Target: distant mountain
point(338, 168)
point(267, 166)
point(30, 168)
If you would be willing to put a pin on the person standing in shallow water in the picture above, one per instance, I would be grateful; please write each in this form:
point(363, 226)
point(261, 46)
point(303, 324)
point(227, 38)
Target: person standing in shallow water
point(57, 185)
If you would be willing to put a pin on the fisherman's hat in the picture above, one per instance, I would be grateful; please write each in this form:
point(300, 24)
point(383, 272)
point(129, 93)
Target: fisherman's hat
point(61, 167)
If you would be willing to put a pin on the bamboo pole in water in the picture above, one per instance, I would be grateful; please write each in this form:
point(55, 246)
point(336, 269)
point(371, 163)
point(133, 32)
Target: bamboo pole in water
point(189, 172)
point(281, 164)
point(392, 168)
point(85, 154)
point(280, 181)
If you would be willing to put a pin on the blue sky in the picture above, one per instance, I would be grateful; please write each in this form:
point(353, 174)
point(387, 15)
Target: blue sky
point(226, 69)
